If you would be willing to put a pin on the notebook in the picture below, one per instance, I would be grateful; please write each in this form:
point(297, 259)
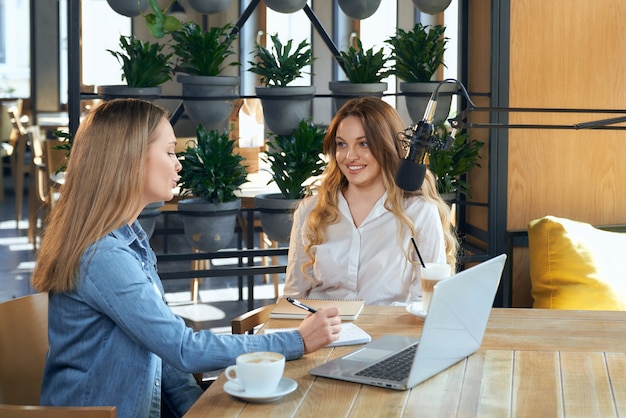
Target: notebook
point(453, 329)
point(350, 334)
point(349, 310)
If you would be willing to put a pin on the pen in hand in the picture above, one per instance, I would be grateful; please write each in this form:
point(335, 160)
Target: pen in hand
point(301, 305)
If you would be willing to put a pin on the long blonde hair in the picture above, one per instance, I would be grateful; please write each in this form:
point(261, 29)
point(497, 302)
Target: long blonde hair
point(102, 190)
point(381, 123)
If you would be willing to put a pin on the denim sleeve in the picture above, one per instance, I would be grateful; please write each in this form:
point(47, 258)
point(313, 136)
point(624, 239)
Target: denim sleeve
point(180, 389)
point(114, 281)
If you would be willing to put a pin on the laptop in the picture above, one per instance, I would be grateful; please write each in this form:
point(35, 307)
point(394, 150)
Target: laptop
point(453, 329)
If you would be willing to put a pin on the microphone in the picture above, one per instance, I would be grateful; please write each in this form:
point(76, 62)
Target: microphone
point(418, 139)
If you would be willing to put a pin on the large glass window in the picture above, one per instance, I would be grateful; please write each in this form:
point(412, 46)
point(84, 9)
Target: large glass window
point(14, 47)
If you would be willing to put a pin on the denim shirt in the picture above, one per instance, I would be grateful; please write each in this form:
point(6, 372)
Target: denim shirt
point(114, 341)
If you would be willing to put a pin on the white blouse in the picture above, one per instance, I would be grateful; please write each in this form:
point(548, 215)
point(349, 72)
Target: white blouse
point(366, 262)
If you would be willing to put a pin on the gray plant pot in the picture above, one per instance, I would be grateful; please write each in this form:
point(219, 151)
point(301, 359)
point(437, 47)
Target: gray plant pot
point(285, 107)
point(359, 9)
point(418, 94)
point(128, 8)
point(209, 6)
point(208, 226)
point(209, 100)
point(285, 6)
point(276, 213)
point(121, 90)
point(147, 217)
point(345, 90)
point(431, 7)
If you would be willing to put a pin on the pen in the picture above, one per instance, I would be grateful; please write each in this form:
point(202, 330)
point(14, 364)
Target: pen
point(301, 305)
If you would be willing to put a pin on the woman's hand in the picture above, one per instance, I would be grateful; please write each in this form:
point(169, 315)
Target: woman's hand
point(320, 329)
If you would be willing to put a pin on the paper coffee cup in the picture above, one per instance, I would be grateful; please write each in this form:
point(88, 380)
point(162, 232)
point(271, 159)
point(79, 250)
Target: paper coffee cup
point(257, 373)
point(431, 275)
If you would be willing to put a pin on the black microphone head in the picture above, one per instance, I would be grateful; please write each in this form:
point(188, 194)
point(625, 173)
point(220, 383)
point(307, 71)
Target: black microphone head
point(410, 175)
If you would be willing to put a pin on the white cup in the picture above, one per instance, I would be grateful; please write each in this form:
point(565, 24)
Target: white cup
point(257, 373)
point(431, 274)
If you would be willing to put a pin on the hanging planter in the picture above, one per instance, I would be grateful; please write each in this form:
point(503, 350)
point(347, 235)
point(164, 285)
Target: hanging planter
point(285, 6)
point(417, 96)
point(293, 160)
point(129, 8)
point(120, 91)
point(211, 173)
point(276, 214)
point(284, 106)
point(359, 9)
point(431, 7)
point(209, 99)
point(345, 90)
point(209, 6)
point(365, 70)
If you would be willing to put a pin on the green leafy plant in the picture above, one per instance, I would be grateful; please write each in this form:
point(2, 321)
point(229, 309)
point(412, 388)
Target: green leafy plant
point(68, 141)
point(450, 165)
point(419, 52)
point(295, 158)
point(210, 168)
point(281, 66)
point(143, 64)
point(203, 52)
point(158, 22)
point(364, 66)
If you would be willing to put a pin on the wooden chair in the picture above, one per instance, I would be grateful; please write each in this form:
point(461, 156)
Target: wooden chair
point(20, 161)
point(22, 411)
point(24, 337)
point(39, 187)
point(8, 137)
point(246, 322)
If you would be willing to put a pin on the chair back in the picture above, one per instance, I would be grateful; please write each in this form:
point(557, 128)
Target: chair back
point(9, 110)
point(246, 322)
point(23, 348)
point(21, 411)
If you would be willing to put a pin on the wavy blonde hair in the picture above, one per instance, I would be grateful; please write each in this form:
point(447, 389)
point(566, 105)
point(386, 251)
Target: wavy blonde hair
point(103, 185)
point(382, 124)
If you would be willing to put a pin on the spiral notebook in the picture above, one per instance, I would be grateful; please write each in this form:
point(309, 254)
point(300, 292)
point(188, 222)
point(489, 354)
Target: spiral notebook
point(349, 310)
point(350, 334)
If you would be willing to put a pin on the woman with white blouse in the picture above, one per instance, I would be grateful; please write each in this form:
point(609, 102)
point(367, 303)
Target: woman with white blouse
point(352, 239)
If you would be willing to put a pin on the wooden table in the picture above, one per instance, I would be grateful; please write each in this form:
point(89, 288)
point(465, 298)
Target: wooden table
point(532, 363)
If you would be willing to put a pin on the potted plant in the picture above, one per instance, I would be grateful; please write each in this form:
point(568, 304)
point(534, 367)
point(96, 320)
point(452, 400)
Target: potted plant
point(284, 106)
point(144, 68)
point(365, 70)
point(418, 54)
point(293, 160)
point(211, 173)
point(202, 57)
point(450, 164)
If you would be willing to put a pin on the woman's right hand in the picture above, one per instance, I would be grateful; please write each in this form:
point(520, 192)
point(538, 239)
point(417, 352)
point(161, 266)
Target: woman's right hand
point(320, 329)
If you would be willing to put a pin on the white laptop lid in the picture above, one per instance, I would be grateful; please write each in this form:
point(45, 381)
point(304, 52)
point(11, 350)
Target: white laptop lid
point(453, 329)
point(457, 318)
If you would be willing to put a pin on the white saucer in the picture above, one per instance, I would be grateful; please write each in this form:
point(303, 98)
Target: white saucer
point(285, 387)
point(417, 309)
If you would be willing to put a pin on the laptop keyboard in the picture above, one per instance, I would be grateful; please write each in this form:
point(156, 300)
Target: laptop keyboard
point(395, 368)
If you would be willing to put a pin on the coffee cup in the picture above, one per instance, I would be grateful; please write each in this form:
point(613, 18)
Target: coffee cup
point(257, 373)
point(431, 274)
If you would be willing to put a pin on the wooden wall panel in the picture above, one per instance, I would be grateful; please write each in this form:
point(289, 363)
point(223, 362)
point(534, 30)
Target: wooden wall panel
point(565, 54)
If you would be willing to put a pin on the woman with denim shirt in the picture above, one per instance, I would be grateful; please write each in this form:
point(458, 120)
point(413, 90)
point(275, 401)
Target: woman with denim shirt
point(113, 340)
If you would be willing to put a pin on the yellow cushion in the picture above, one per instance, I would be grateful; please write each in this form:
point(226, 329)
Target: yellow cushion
point(576, 266)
